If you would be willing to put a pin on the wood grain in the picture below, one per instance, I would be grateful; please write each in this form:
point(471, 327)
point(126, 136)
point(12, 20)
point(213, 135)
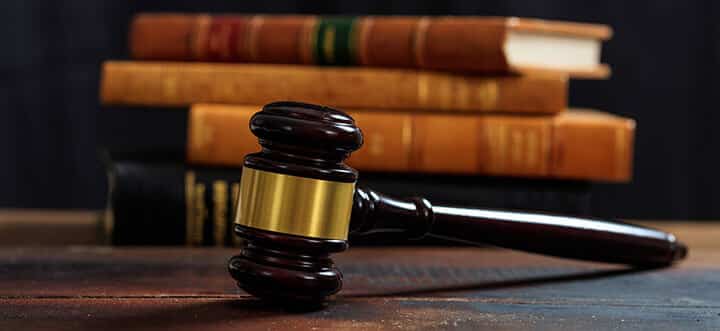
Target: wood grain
point(356, 314)
point(399, 288)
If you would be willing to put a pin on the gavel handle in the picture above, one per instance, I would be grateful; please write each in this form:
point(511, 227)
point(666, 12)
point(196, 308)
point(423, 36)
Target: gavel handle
point(562, 236)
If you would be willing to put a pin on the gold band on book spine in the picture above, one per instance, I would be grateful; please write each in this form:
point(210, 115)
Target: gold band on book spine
point(294, 205)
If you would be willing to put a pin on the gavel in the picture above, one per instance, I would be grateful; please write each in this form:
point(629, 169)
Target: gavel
point(298, 204)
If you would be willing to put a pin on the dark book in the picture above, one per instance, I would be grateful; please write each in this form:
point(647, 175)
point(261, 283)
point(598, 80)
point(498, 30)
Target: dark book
point(162, 203)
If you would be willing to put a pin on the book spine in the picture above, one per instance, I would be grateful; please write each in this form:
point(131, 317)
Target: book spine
point(499, 145)
point(181, 84)
point(464, 44)
point(403, 42)
point(170, 204)
point(593, 146)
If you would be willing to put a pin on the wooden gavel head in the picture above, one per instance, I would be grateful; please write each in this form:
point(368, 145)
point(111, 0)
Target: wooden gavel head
point(295, 201)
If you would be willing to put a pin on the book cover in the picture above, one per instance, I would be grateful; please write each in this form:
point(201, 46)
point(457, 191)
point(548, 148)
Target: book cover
point(453, 43)
point(182, 84)
point(577, 144)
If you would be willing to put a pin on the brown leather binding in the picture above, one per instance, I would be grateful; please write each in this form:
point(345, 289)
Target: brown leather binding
point(181, 84)
point(578, 144)
point(461, 43)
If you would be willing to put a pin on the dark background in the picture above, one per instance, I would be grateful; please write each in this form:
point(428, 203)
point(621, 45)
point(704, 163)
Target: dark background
point(664, 56)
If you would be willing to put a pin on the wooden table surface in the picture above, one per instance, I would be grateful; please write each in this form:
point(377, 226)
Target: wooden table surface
point(113, 288)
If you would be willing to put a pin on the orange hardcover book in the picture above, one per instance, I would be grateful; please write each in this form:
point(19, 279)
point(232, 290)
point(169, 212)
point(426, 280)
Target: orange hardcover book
point(577, 144)
point(453, 43)
point(182, 84)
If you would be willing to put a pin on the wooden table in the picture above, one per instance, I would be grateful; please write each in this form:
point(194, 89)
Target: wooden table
point(112, 288)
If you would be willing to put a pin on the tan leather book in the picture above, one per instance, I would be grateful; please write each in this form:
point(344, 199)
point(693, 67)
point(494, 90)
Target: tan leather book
point(455, 43)
point(577, 144)
point(181, 84)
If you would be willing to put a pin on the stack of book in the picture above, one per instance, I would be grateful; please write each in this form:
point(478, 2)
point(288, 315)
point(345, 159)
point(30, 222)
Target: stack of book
point(464, 110)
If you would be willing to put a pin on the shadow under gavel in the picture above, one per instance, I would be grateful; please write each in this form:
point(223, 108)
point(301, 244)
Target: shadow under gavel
point(298, 204)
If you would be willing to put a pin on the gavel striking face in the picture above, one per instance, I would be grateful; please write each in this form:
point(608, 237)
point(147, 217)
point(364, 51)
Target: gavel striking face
point(298, 204)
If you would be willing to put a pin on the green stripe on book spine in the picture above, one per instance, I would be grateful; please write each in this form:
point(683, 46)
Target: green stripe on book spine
point(335, 41)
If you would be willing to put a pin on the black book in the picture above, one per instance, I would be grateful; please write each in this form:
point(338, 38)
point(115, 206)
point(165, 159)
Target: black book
point(169, 203)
